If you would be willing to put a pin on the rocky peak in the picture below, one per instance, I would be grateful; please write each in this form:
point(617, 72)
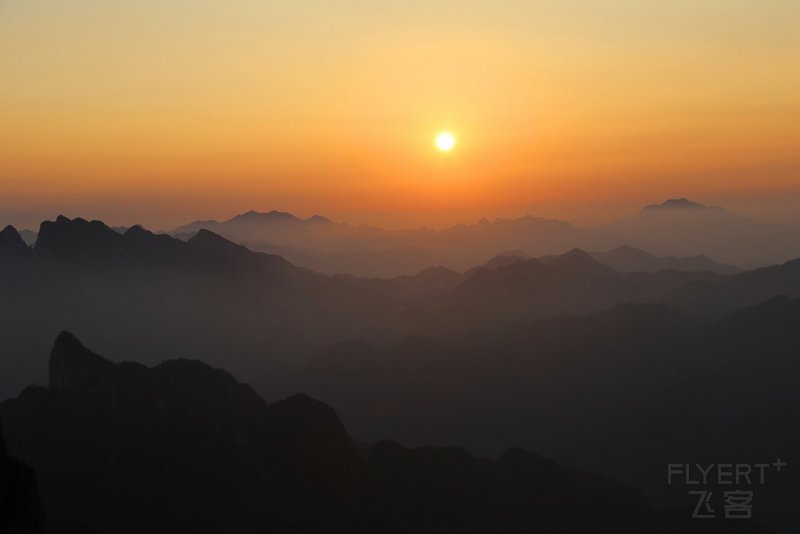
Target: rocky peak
point(504, 260)
point(681, 205)
point(577, 261)
point(137, 230)
point(575, 256)
point(208, 239)
point(319, 219)
point(75, 238)
point(75, 368)
point(271, 216)
point(11, 243)
point(215, 244)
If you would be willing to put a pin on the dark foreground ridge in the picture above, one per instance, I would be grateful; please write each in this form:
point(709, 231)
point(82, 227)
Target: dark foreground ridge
point(184, 447)
point(20, 508)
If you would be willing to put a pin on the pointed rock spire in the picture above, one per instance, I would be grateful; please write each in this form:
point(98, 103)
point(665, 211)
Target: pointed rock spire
point(75, 368)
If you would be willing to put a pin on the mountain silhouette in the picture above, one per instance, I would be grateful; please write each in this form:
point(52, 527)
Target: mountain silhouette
point(206, 296)
point(571, 283)
point(675, 228)
point(718, 297)
point(183, 447)
point(77, 239)
point(246, 223)
point(12, 248)
point(445, 489)
point(630, 259)
point(608, 371)
point(679, 204)
point(337, 248)
point(20, 507)
point(577, 282)
point(210, 297)
point(621, 393)
point(680, 227)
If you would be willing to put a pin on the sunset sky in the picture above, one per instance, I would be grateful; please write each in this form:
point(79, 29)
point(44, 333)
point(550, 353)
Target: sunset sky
point(164, 111)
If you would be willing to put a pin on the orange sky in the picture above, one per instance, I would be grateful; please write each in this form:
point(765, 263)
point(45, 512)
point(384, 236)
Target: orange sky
point(162, 111)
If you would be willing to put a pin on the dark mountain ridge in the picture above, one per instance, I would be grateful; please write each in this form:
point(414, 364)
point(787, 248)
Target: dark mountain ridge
point(623, 392)
point(630, 259)
point(524, 290)
point(20, 507)
point(12, 247)
point(680, 204)
point(247, 218)
point(183, 447)
point(207, 295)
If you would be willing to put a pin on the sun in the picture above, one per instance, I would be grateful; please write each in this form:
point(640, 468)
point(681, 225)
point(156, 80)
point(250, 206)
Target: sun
point(445, 141)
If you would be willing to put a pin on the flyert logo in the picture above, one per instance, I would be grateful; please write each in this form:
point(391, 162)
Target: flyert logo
point(736, 503)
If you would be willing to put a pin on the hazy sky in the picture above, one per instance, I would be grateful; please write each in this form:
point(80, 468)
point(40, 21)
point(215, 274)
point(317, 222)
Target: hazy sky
point(160, 111)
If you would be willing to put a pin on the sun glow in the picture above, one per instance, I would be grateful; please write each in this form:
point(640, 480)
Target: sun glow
point(445, 141)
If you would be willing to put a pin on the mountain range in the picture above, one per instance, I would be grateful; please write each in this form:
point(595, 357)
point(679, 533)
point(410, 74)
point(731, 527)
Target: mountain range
point(681, 233)
point(183, 447)
point(615, 367)
point(628, 259)
point(623, 392)
point(208, 297)
point(676, 228)
point(204, 295)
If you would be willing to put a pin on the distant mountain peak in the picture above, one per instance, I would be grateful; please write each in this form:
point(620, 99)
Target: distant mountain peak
point(8, 230)
point(274, 215)
point(11, 239)
point(575, 254)
point(629, 259)
point(204, 234)
point(581, 261)
point(75, 237)
point(523, 222)
point(67, 342)
point(211, 241)
point(78, 370)
point(219, 246)
point(249, 222)
point(679, 204)
point(136, 229)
